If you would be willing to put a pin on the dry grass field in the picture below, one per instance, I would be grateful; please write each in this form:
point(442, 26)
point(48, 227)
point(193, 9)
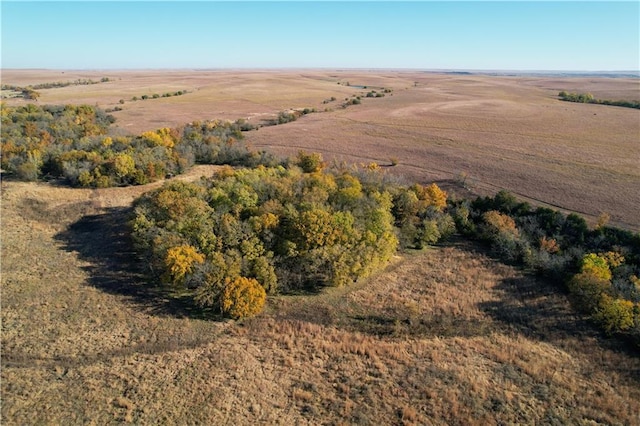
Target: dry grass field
point(445, 336)
point(492, 132)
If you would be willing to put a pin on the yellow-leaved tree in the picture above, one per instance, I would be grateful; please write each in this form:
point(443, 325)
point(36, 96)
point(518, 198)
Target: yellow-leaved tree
point(242, 298)
point(500, 224)
point(430, 196)
point(180, 262)
point(596, 265)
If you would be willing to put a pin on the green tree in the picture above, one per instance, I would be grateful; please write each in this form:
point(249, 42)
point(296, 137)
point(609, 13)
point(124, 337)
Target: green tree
point(310, 163)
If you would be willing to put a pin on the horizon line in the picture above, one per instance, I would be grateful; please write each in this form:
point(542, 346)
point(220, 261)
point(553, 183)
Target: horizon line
point(292, 68)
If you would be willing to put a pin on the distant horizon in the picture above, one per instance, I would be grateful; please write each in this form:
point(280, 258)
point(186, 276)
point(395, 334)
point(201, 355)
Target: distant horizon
point(466, 36)
point(339, 69)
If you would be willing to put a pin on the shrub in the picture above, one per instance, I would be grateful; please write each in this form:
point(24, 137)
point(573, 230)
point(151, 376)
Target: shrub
point(587, 289)
point(615, 315)
point(286, 117)
point(310, 163)
point(242, 298)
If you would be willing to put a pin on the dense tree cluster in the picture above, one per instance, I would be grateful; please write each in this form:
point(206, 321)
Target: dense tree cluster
point(588, 98)
point(286, 228)
point(600, 266)
point(30, 92)
point(73, 142)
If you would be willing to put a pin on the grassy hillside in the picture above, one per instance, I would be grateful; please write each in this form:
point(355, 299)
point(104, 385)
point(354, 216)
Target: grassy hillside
point(445, 336)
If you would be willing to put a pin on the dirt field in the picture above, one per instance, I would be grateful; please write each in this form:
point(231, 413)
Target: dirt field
point(446, 336)
point(490, 132)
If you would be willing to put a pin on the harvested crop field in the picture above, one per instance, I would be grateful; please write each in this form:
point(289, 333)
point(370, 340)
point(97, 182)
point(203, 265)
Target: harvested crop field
point(480, 132)
point(444, 336)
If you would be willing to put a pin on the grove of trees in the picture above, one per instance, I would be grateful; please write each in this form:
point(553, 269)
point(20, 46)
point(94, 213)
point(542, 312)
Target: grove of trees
point(599, 267)
point(73, 143)
point(271, 225)
point(282, 229)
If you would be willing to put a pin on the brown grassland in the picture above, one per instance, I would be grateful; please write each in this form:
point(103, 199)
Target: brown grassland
point(442, 336)
point(492, 132)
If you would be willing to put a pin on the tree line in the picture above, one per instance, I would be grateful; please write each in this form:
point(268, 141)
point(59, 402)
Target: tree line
point(288, 225)
point(73, 143)
point(599, 267)
point(588, 98)
point(30, 92)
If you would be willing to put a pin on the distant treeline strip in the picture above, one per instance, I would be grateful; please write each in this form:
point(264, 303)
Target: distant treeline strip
point(156, 95)
point(56, 84)
point(29, 92)
point(587, 98)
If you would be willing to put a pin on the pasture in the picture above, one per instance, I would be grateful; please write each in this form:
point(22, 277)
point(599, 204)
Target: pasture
point(480, 132)
point(444, 336)
point(447, 335)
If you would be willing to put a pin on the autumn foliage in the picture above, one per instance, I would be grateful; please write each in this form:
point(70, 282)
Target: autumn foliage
point(242, 297)
point(599, 266)
point(284, 229)
point(74, 143)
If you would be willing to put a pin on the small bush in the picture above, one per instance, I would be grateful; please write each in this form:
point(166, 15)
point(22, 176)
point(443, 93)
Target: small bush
point(28, 171)
point(310, 163)
point(587, 290)
point(286, 117)
point(242, 298)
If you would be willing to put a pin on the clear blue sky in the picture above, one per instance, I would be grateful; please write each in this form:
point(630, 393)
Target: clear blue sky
point(586, 36)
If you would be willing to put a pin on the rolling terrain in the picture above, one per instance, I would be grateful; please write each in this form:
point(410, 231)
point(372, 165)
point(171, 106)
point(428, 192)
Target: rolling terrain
point(444, 336)
point(486, 132)
point(447, 335)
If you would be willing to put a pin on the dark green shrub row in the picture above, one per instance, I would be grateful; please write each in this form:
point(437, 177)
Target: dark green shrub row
point(157, 95)
point(564, 249)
